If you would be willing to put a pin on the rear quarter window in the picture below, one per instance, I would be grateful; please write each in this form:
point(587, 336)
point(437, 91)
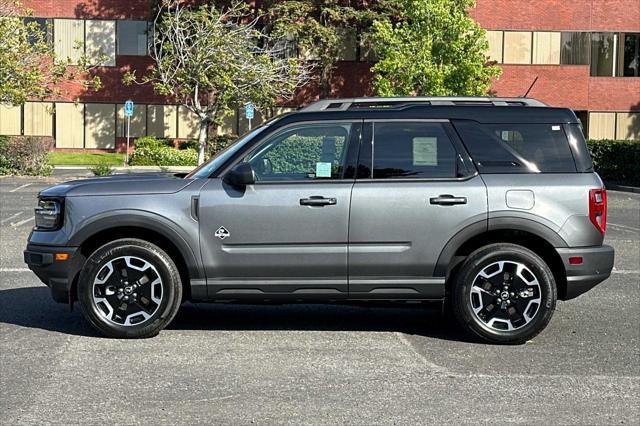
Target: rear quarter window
point(517, 148)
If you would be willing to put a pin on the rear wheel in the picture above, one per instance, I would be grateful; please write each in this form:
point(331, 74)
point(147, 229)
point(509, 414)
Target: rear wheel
point(129, 288)
point(504, 293)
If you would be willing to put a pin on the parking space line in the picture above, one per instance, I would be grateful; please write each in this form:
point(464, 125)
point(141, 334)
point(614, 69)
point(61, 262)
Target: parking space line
point(625, 227)
point(625, 271)
point(22, 222)
point(15, 270)
point(13, 216)
point(21, 187)
point(435, 367)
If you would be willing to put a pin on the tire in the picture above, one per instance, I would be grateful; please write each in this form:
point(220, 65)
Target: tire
point(498, 300)
point(110, 301)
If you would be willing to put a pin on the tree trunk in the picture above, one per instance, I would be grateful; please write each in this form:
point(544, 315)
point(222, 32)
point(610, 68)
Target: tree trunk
point(202, 141)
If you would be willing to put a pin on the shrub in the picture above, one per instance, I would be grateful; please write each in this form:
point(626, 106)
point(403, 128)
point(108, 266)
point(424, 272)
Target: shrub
point(163, 156)
point(218, 143)
point(152, 142)
point(102, 169)
point(25, 155)
point(616, 161)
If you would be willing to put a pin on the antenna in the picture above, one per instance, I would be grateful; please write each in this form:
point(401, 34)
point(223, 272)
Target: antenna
point(531, 87)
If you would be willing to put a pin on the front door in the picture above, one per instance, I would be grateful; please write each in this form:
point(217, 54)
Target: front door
point(286, 235)
point(414, 192)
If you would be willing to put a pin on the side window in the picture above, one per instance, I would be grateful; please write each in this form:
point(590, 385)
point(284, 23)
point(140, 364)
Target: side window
point(517, 148)
point(304, 152)
point(412, 149)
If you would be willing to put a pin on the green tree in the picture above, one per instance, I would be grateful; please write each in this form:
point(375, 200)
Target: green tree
point(432, 48)
point(29, 68)
point(213, 60)
point(318, 27)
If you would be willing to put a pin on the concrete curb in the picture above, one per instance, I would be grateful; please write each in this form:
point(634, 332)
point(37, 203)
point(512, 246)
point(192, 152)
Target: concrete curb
point(623, 188)
point(173, 169)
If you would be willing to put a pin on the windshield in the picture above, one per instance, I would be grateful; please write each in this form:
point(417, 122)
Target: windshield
point(208, 167)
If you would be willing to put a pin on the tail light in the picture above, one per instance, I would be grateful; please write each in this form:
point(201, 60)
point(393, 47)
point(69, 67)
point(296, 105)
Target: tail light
point(598, 209)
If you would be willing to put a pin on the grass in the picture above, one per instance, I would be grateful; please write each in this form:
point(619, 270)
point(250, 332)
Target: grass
point(60, 158)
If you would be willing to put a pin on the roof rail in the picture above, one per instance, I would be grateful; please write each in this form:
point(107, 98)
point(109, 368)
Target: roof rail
point(397, 102)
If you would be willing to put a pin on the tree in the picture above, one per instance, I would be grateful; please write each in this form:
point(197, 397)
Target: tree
point(29, 68)
point(434, 48)
point(319, 26)
point(212, 61)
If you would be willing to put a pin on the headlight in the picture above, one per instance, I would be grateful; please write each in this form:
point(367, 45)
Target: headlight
point(49, 214)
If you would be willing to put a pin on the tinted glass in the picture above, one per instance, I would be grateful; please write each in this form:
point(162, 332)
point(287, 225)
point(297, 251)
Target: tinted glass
point(132, 37)
point(412, 150)
point(629, 55)
point(42, 26)
point(311, 151)
point(517, 148)
point(575, 48)
point(602, 52)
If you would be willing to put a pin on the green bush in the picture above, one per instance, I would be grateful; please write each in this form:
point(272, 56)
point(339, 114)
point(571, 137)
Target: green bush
point(152, 142)
point(616, 161)
point(25, 155)
point(102, 169)
point(164, 156)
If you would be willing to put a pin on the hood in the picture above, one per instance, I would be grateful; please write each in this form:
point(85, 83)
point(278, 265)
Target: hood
point(124, 184)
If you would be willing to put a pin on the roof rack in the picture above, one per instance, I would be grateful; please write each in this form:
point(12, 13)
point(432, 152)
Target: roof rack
point(397, 102)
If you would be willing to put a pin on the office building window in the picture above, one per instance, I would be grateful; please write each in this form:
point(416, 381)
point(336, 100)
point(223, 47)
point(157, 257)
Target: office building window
point(628, 125)
point(42, 30)
point(132, 38)
point(347, 44)
point(602, 125)
point(69, 125)
point(10, 117)
point(69, 39)
point(100, 126)
point(603, 53)
point(162, 121)
point(575, 48)
point(138, 122)
point(629, 55)
point(38, 119)
point(517, 47)
point(101, 42)
point(546, 47)
point(188, 124)
point(495, 45)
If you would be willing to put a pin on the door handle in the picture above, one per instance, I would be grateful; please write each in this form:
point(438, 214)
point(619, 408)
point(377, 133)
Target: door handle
point(447, 200)
point(317, 201)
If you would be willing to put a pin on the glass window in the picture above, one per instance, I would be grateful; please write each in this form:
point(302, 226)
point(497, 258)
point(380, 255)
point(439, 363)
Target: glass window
point(517, 148)
point(132, 38)
point(629, 55)
point(101, 42)
point(575, 48)
point(546, 47)
point(412, 149)
point(311, 151)
point(517, 47)
point(69, 39)
point(494, 38)
point(602, 53)
point(43, 26)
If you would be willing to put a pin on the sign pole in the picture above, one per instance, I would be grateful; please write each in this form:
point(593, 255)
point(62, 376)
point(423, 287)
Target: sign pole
point(126, 161)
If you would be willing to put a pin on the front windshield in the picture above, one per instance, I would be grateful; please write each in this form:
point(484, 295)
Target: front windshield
point(205, 169)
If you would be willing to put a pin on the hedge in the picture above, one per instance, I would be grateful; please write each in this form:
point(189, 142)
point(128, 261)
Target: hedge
point(25, 155)
point(616, 161)
point(150, 151)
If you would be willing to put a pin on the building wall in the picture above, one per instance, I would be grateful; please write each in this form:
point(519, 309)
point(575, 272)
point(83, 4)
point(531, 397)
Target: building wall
point(524, 35)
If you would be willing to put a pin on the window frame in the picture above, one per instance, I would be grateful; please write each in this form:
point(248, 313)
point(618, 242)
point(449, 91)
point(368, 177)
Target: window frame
point(351, 156)
point(465, 165)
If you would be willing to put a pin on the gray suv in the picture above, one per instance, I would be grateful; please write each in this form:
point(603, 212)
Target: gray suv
point(487, 205)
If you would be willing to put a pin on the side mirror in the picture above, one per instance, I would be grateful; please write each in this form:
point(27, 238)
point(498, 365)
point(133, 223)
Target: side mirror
point(241, 174)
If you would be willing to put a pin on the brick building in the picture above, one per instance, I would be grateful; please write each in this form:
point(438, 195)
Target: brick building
point(583, 54)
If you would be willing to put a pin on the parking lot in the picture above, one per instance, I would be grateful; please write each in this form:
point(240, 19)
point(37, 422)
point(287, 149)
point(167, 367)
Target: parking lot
point(315, 363)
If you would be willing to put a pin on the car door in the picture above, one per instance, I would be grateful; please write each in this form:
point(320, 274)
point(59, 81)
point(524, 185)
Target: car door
point(415, 190)
point(287, 234)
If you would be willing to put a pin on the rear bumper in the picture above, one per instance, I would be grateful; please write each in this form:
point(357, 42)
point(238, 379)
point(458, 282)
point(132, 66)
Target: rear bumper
point(596, 266)
point(55, 274)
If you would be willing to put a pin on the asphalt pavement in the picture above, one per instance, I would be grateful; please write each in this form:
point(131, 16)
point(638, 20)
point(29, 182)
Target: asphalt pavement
point(315, 364)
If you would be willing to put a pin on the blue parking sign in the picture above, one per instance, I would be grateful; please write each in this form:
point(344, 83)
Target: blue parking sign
point(249, 110)
point(128, 108)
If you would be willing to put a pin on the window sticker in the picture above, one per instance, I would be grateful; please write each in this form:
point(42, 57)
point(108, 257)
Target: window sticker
point(555, 128)
point(323, 170)
point(425, 151)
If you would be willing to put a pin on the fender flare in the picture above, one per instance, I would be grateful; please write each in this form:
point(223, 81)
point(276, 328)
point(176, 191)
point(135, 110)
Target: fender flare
point(493, 224)
point(144, 220)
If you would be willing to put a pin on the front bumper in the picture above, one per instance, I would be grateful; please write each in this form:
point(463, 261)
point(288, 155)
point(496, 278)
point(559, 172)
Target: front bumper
point(56, 274)
point(596, 266)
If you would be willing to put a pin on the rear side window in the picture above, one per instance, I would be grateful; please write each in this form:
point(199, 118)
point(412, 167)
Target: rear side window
point(412, 150)
point(517, 148)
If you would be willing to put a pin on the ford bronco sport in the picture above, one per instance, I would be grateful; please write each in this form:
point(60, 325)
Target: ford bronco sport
point(490, 205)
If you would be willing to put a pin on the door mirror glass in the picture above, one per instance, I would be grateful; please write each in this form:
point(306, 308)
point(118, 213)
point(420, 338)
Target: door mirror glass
point(241, 174)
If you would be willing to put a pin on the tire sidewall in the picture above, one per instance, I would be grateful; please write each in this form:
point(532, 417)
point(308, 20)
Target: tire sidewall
point(171, 287)
point(482, 258)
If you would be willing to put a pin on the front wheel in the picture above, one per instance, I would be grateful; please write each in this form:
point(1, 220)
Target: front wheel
point(129, 288)
point(504, 293)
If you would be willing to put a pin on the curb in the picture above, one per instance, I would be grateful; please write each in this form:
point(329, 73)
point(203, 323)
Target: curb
point(623, 188)
point(176, 169)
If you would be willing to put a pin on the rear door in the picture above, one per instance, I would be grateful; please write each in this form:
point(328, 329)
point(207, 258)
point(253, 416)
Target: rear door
point(416, 189)
point(286, 235)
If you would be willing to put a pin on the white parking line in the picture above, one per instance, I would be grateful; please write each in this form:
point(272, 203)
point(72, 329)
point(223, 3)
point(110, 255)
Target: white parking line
point(15, 270)
point(625, 227)
point(21, 187)
point(22, 222)
point(625, 271)
point(13, 216)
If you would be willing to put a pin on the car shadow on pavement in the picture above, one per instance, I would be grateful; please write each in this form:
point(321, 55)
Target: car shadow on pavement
point(32, 307)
